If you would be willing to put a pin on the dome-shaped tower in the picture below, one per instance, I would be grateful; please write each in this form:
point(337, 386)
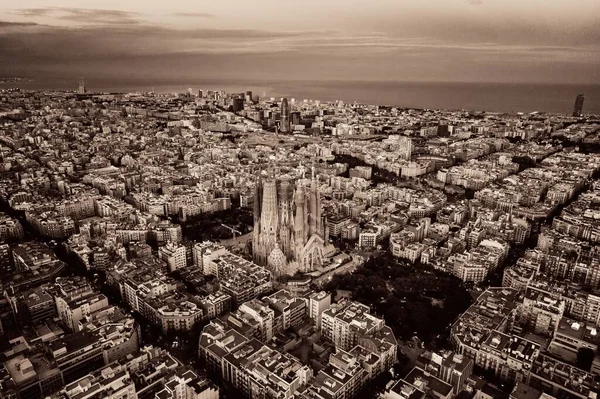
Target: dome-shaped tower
point(277, 261)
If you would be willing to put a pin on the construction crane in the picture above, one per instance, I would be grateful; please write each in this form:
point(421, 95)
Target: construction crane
point(233, 231)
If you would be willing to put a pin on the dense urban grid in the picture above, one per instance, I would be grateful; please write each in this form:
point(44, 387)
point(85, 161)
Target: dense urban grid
point(205, 245)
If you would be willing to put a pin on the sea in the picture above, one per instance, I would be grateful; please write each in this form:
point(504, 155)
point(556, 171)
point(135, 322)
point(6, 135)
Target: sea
point(495, 97)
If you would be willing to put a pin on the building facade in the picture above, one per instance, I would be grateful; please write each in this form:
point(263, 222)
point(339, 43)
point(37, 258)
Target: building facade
point(288, 226)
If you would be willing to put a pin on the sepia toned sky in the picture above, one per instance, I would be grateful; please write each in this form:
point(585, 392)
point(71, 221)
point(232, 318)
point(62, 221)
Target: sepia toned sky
point(536, 41)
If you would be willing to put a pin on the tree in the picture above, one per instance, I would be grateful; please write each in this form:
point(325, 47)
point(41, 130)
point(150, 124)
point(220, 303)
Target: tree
point(403, 294)
point(524, 162)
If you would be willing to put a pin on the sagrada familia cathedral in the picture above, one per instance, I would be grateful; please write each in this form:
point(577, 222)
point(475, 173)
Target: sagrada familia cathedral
point(288, 228)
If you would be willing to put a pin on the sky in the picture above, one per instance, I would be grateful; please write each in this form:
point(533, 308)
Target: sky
point(529, 41)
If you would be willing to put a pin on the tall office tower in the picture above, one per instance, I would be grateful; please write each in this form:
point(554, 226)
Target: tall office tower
point(295, 118)
point(81, 86)
point(238, 104)
point(578, 108)
point(285, 116)
point(248, 96)
point(288, 228)
point(405, 147)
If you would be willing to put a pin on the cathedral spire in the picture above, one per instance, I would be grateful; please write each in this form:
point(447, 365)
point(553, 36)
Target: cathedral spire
point(288, 234)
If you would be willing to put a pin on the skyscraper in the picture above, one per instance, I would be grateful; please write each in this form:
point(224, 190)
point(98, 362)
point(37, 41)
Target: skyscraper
point(578, 108)
point(238, 104)
point(81, 86)
point(288, 226)
point(295, 118)
point(285, 116)
point(405, 147)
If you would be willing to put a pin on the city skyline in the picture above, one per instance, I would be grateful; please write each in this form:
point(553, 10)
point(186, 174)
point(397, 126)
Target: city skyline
point(176, 246)
point(476, 40)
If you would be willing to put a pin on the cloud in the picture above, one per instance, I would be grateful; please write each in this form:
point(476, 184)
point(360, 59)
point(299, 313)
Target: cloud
point(233, 33)
point(9, 24)
point(97, 48)
point(338, 43)
point(554, 49)
point(99, 40)
point(194, 15)
point(60, 43)
point(33, 12)
point(490, 23)
point(83, 15)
